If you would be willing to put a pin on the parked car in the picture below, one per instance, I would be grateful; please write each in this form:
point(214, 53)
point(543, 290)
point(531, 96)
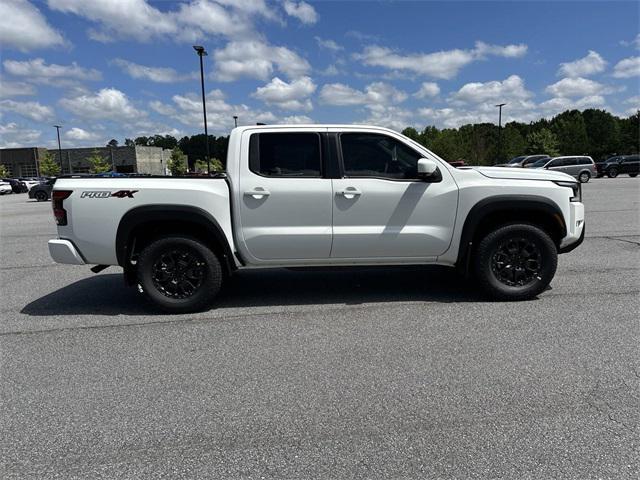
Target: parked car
point(320, 196)
point(614, 166)
point(580, 167)
point(5, 187)
point(42, 191)
point(522, 161)
point(30, 182)
point(16, 185)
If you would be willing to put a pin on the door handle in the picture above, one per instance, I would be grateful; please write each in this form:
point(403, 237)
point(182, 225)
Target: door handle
point(350, 192)
point(257, 193)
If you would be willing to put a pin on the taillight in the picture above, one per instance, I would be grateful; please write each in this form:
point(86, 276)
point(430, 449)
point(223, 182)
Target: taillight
point(59, 213)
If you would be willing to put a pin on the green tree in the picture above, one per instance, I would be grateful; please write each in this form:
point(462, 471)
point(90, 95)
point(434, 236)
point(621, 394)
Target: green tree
point(411, 133)
point(200, 166)
point(97, 163)
point(129, 143)
point(543, 141)
point(603, 131)
point(177, 163)
point(49, 167)
point(571, 131)
point(143, 141)
point(630, 134)
point(3, 171)
point(447, 145)
point(112, 143)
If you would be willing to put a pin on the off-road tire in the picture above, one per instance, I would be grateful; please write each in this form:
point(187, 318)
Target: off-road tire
point(484, 254)
point(208, 268)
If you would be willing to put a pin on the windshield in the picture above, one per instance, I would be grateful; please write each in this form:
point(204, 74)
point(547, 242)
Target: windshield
point(516, 160)
point(612, 160)
point(539, 163)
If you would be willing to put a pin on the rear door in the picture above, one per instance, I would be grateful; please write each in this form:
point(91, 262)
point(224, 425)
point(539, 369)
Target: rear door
point(285, 201)
point(631, 164)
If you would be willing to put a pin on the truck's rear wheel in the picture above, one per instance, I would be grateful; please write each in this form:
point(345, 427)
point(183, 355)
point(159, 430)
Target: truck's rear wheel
point(515, 262)
point(179, 274)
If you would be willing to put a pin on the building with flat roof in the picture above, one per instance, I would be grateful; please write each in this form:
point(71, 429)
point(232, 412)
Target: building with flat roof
point(24, 162)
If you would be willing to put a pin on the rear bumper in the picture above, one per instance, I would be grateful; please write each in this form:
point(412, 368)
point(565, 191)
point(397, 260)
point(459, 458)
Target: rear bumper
point(575, 228)
point(63, 251)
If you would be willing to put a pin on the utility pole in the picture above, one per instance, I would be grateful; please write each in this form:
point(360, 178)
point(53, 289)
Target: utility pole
point(500, 105)
point(235, 119)
point(58, 127)
point(201, 53)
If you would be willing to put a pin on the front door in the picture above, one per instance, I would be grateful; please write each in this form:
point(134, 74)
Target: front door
point(381, 209)
point(285, 203)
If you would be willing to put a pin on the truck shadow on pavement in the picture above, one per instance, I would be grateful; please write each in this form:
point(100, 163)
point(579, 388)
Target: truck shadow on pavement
point(106, 294)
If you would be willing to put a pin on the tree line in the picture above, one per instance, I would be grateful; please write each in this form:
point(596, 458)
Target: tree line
point(592, 132)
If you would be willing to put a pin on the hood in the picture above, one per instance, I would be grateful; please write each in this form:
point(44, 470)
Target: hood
point(523, 174)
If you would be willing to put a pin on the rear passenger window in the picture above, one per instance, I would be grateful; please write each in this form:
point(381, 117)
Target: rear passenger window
point(585, 161)
point(285, 154)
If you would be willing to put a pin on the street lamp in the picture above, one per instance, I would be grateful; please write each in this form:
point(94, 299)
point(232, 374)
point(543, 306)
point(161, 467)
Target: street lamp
point(201, 53)
point(235, 119)
point(58, 127)
point(500, 105)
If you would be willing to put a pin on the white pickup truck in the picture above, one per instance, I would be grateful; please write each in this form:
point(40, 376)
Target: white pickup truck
point(320, 195)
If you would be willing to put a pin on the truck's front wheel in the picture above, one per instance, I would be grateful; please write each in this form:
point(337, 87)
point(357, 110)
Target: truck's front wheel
point(179, 274)
point(515, 262)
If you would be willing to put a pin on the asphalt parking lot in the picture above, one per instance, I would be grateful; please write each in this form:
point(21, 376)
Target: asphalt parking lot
point(384, 373)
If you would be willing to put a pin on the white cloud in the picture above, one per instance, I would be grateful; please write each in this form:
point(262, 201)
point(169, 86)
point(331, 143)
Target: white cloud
point(297, 120)
point(577, 87)
point(187, 109)
point(287, 96)
point(632, 43)
point(32, 110)
point(508, 90)
point(79, 134)
point(122, 19)
point(15, 89)
point(162, 108)
point(108, 103)
point(427, 89)
point(560, 104)
point(302, 11)
point(14, 136)
point(37, 71)
point(627, 68)
point(443, 64)
point(190, 21)
point(328, 44)
point(256, 59)
point(592, 63)
point(377, 93)
point(23, 27)
point(508, 51)
point(153, 74)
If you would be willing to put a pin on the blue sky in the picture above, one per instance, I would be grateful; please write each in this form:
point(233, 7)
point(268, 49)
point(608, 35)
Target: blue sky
point(122, 68)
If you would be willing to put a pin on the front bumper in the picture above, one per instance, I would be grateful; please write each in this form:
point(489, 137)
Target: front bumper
point(575, 228)
point(63, 251)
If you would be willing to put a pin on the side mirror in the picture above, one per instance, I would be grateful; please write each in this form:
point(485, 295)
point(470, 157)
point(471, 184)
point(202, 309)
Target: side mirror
point(428, 170)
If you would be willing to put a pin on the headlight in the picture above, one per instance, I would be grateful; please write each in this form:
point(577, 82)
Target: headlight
point(575, 187)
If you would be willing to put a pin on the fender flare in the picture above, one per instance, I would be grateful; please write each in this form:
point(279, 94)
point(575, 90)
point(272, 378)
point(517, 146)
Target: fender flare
point(507, 203)
point(166, 213)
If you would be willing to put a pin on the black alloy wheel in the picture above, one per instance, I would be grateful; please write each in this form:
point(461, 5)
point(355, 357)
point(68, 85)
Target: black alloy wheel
point(179, 274)
point(516, 262)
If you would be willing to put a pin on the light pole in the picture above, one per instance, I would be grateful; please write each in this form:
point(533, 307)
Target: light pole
point(235, 120)
point(201, 53)
point(500, 105)
point(58, 127)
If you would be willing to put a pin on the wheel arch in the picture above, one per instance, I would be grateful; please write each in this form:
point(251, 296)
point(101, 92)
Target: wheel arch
point(492, 212)
point(141, 225)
